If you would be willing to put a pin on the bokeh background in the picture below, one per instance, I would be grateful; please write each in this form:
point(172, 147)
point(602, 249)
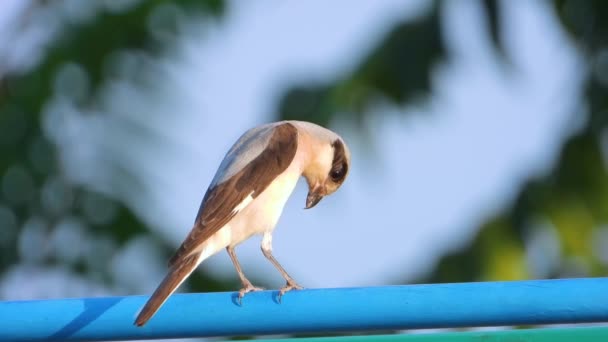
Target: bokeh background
point(478, 133)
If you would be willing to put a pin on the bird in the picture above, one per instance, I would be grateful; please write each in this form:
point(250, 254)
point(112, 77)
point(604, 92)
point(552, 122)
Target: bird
point(247, 195)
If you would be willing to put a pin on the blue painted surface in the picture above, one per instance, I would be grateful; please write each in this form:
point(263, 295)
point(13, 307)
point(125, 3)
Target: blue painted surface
point(318, 310)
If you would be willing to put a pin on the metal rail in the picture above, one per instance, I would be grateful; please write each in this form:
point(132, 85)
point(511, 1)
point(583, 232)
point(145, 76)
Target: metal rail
point(312, 311)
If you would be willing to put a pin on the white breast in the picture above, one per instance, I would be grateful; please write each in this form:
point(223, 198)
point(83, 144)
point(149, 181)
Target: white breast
point(262, 214)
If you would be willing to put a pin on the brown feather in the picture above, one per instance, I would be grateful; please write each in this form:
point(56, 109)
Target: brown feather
point(219, 202)
point(172, 280)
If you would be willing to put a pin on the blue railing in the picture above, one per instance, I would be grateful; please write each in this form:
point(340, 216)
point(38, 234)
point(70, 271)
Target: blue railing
point(312, 311)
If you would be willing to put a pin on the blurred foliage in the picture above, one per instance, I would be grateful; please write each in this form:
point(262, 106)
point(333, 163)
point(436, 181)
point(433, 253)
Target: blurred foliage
point(37, 199)
point(571, 202)
point(561, 216)
point(568, 205)
point(392, 71)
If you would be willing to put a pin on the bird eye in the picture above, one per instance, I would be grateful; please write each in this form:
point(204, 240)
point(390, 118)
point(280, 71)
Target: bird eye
point(337, 174)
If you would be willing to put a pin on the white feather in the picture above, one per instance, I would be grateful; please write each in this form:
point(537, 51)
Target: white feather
point(243, 204)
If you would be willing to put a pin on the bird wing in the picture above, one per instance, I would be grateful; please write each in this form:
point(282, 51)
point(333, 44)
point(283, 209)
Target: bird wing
point(226, 197)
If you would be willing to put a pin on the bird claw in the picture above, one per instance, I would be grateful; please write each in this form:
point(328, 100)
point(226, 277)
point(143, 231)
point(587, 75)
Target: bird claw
point(248, 288)
point(291, 285)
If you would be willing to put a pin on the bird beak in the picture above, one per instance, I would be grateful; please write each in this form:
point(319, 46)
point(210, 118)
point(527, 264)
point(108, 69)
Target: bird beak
point(314, 197)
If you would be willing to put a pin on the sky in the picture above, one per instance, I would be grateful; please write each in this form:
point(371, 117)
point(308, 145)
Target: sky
point(429, 177)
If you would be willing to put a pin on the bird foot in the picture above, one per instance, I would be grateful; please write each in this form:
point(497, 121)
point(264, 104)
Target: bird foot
point(246, 289)
point(291, 285)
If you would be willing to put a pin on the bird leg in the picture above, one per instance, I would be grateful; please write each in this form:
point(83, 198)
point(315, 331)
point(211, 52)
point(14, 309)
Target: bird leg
point(247, 286)
point(267, 250)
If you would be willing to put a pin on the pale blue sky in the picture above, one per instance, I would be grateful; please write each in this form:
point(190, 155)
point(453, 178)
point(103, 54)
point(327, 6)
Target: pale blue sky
point(428, 180)
point(422, 187)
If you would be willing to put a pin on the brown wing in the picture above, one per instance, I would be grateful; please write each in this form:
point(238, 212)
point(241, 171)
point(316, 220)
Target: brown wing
point(217, 207)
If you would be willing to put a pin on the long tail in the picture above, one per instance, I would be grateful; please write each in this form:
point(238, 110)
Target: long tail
point(176, 276)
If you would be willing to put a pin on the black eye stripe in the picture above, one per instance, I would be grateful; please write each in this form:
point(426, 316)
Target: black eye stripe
point(339, 163)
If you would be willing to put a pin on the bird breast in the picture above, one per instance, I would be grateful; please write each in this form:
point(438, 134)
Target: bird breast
point(262, 214)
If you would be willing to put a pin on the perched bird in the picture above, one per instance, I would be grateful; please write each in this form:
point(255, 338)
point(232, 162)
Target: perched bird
point(247, 196)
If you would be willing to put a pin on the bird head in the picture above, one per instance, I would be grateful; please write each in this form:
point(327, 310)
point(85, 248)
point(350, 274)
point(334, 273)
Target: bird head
point(328, 169)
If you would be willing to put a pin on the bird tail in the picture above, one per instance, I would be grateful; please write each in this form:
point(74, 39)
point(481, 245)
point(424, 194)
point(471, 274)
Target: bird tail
point(176, 276)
